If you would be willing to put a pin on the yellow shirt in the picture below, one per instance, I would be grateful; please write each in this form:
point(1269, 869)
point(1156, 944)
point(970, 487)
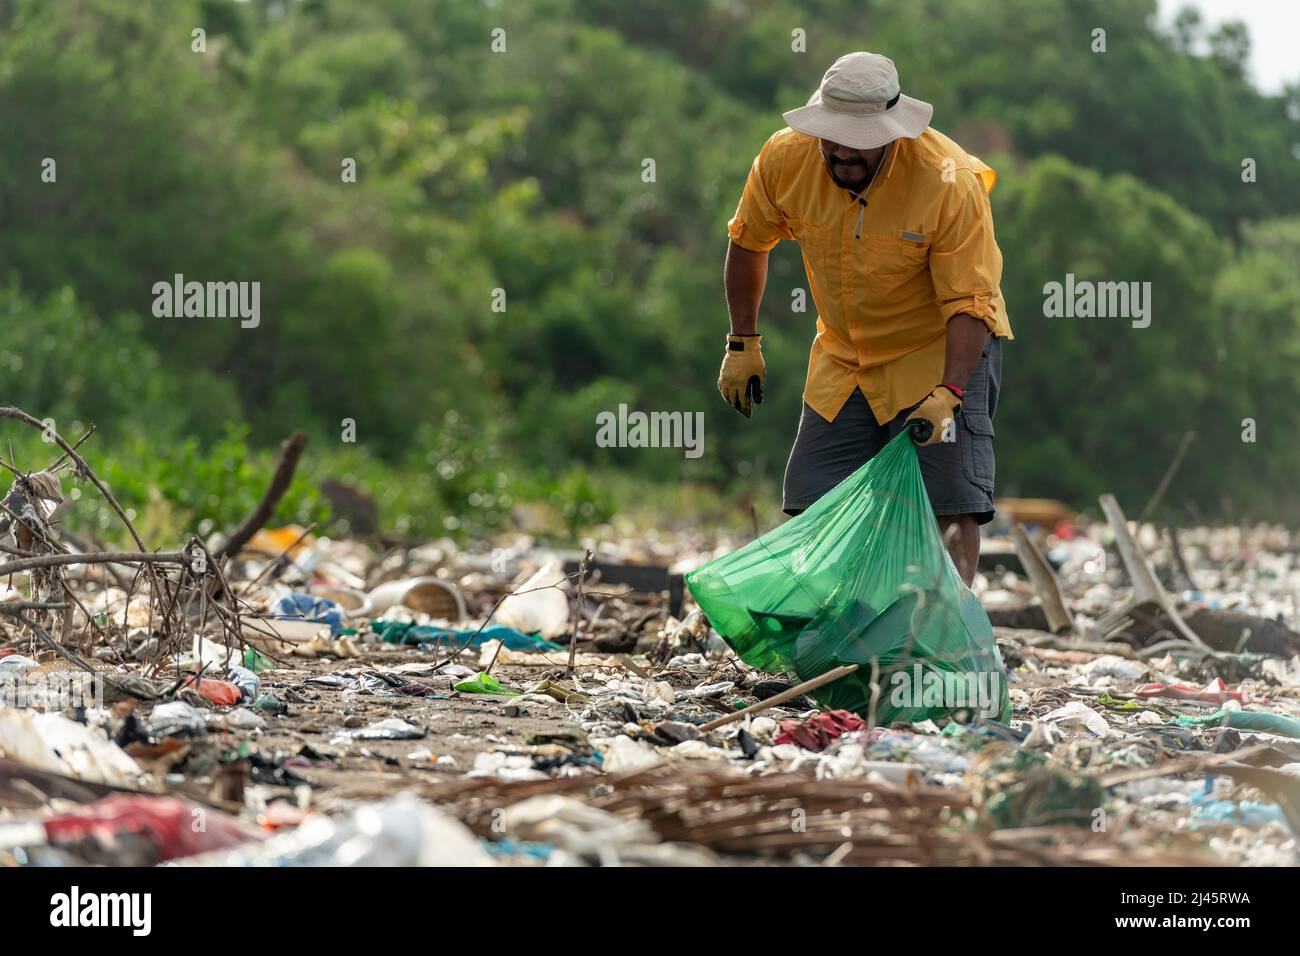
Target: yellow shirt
point(926, 252)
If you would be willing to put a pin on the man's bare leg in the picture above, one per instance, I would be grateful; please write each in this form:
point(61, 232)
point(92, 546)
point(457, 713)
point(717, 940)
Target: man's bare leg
point(963, 543)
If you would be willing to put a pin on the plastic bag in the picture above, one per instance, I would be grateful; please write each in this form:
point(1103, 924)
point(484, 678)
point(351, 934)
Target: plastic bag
point(482, 683)
point(403, 831)
point(539, 605)
point(408, 632)
point(55, 744)
point(862, 577)
point(1256, 721)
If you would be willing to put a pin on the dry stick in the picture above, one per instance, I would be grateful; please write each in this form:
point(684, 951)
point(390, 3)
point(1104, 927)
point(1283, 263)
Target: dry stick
point(781, 698)
point(1168, 476)
point(1178, 555)
point(577, 612)
point(173, 596)
point(627, 662)
point(13, 607)
point(76, 444)
point(215, 565)
point(501, 644)
point(92, 557)
point(290, 452)
point(200, 584)
point(470, 640)
point(874, 684)
point(495, 654)
point(130, 593)
point(236, 625)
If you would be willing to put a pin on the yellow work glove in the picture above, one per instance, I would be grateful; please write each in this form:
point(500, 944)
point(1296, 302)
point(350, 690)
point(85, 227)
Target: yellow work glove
point(933, 414)
point(743, 373)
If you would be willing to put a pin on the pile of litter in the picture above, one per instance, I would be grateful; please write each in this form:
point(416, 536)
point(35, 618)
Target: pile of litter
point(327, 701)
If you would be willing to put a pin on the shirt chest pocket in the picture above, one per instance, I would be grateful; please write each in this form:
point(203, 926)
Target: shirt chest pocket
point(893, 258)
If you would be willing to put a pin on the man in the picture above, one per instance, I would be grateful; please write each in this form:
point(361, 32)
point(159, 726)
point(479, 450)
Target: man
point(897, 236)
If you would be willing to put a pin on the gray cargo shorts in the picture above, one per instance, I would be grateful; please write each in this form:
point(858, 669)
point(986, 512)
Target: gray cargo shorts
point(958, 475)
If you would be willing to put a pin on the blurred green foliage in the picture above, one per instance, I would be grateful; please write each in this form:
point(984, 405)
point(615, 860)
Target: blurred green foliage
point(522, 171)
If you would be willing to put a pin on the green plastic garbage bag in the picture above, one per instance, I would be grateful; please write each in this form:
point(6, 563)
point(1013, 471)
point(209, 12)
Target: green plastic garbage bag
point(862, 577)
point(1252, 720)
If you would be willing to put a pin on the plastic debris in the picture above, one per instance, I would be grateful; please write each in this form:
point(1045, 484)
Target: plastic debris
point(310, 608)
point(514, 767)
point(482, 683)
point(818, 731)
point(246, 680)
point(1119, 668)
point(416, 696)
point(1206, 811)
point(408, 632)
point(220, 692)
point(52, 742)
point(539, 605)
point(176, 717)
point(403, 831)
point(1077, 714)
point(596, 836)
point(391, 728)
point(143, 828)
point(426, 595)
point(1215, 692)
point(1252, 720)
point(622, 754)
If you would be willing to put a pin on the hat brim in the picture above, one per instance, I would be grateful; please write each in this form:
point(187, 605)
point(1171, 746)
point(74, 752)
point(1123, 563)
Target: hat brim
point(906, 120)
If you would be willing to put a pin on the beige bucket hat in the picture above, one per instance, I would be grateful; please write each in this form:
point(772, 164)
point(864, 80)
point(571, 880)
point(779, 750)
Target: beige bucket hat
point(859, 105)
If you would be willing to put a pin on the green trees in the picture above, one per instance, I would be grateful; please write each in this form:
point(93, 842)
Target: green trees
point(535, 235)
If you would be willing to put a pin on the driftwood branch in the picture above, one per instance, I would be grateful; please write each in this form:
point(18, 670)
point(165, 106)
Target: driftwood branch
point(290, 452)
point(94, 557)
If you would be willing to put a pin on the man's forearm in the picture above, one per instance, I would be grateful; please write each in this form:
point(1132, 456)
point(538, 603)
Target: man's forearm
point(744, 276)
point(967, 336)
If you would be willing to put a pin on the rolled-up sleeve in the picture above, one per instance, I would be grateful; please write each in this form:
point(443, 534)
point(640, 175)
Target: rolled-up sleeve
point(965, 262)
point(758, 225)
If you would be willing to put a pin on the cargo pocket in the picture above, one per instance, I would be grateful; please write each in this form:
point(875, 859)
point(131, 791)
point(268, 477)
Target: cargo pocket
point(975, 439)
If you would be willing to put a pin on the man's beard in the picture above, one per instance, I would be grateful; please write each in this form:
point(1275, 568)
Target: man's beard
point(852, 164)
